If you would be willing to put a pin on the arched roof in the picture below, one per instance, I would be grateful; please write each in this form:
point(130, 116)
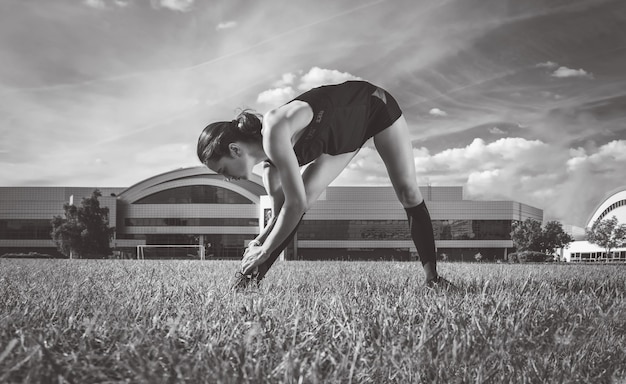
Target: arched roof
point(614, 204)
point(200, 175)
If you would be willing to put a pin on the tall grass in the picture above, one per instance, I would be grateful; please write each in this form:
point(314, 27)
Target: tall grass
point(84, 321)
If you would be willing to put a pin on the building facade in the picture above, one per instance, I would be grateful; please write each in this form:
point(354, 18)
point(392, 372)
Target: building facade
point(369, 223)
point(25, 214)
point(194, 206)
point(614, 204)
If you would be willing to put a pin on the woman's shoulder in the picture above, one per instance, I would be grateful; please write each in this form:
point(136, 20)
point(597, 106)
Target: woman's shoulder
point(296, 113)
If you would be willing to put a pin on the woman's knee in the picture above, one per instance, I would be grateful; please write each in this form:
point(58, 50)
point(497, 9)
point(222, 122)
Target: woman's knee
point(409, 195)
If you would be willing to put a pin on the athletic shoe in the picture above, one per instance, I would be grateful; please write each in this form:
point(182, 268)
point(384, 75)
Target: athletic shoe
point(243, 281)
point(441, 284)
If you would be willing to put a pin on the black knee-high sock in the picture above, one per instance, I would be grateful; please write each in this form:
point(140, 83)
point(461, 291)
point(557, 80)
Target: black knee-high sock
point(422, 233)
point(267, 264)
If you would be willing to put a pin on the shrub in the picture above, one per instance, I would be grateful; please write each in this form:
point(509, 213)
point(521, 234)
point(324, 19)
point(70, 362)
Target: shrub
point(29, 255)
point(529, 257)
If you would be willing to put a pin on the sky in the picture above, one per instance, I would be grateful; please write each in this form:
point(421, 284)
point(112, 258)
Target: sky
point(513, 100)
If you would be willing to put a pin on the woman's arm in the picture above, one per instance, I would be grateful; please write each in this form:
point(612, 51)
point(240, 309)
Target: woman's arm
point(271, 181)
point(279, 127)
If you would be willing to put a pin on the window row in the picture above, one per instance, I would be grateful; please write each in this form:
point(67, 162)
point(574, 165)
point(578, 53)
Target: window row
point(191, 222)
point(599, 256)
point(195, 194)
point(399, 230)
point(617, 204)
point(25, 229)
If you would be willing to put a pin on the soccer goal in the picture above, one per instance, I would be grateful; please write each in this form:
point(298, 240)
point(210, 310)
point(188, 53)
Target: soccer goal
point(172, 251)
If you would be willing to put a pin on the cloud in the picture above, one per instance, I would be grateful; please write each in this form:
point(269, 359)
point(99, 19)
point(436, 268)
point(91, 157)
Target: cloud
point(590, 174)
point(226, 25)
point(482, 180)
point(319, 76)
point(547, 64)
point(102, 4)
point(564, 72)
point(606, 156)
point(174, 5)
point(285, 89)
point(98, 4)
point(496, 131)
point(287, 79)
point(463, 165)
point(480, 156)
point(276, 96)
point(438, 112)
point(529, 171)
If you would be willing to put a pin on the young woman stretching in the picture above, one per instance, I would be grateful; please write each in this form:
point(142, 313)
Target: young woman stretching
point(325, 127)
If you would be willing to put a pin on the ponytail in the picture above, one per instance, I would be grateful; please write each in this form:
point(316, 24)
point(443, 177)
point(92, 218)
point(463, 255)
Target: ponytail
point(215, 138)
point(249, 124)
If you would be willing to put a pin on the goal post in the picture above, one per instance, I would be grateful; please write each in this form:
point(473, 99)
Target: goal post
point(170, 250)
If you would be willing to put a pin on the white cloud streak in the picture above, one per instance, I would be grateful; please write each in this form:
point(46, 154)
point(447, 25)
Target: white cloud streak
point(319, 76)
point(102, 4)
point(547, 64)
point(276, 96)
point(564, 72)
point(174, 5)
point(438, 112)
point(97, 4)
point(606, 156)
point(226, 25)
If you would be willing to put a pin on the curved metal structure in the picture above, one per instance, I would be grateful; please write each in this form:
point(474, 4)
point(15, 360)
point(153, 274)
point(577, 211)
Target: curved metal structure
point(251, 189)
point(614, 204)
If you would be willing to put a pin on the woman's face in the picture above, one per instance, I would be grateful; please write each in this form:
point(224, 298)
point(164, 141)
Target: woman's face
point(235, 167)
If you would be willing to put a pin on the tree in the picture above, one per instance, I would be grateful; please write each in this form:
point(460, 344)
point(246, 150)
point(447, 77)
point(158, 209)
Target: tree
point(607, 234)
point(66, 231)
point(554, 237)
point(526, 235)
point(529, 236)
point(84, 231)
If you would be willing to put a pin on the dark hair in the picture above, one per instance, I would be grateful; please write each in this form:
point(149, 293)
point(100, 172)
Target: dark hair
point(215, 138)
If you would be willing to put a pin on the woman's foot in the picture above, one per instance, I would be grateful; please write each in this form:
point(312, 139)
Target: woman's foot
point(439, 283)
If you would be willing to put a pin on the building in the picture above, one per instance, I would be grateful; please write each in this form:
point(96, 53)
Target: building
point(25, 214)
point(368, 223)
point(194, 206)
point(614, 204)
point(190, 206)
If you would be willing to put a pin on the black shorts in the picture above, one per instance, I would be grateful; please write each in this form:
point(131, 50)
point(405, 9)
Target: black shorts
point(345, 116)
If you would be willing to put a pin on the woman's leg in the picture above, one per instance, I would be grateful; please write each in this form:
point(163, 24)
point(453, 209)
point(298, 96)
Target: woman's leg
point(394, 146)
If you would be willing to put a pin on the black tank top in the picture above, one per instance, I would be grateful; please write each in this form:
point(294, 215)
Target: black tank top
point(345, 116)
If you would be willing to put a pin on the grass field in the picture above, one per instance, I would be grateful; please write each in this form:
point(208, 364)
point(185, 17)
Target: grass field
point(86, 321)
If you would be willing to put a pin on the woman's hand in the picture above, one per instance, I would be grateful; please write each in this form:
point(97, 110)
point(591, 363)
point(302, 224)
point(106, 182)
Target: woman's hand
point(252, 258)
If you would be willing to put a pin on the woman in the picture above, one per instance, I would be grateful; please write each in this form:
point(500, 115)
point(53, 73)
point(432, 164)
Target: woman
point(325, 128)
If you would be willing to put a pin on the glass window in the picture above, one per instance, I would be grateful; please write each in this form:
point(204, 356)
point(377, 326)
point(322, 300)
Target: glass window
point(24, 229)
point(195, 194)
point(399, 230)
point(191, 222)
